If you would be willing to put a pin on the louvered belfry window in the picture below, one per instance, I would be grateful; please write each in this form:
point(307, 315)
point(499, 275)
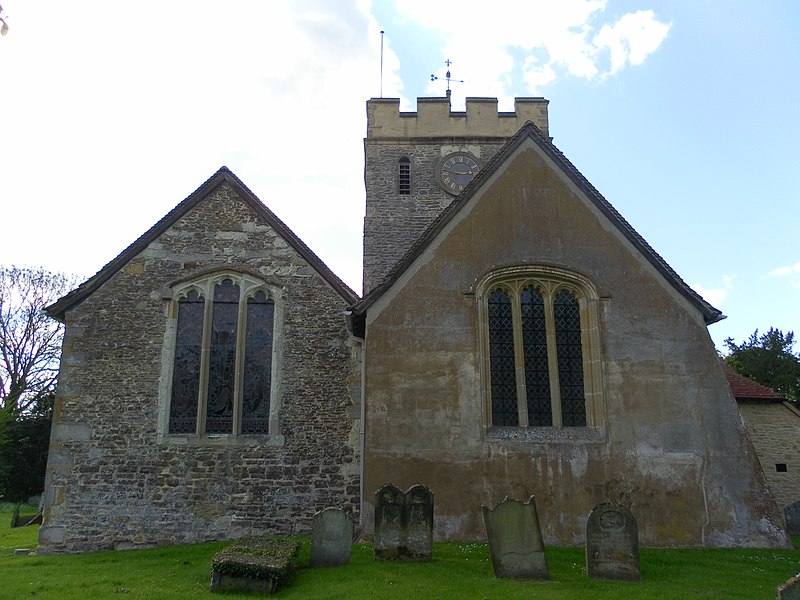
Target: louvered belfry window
point(535, 355)
point(222, 370)
point(404, 176)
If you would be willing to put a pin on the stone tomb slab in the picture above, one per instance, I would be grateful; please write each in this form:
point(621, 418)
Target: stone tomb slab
point(331, 538)
point(403, 523)
point(612, 543)
point(515, 540)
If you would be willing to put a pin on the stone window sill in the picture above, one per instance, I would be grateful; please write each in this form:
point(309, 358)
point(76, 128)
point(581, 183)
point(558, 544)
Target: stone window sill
point(547, 435)
point(220, 440)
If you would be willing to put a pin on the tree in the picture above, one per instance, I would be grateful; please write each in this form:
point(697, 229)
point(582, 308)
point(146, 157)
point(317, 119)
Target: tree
point(30, 341)
point(3, 23)
point(769, 360)
point(30, 349)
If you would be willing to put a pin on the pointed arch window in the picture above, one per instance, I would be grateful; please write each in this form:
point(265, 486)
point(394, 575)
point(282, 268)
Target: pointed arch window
point(404, 176)
point(222, 371)
point(541, 349)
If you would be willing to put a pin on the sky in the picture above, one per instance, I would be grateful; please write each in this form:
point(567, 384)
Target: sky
point(683, 114)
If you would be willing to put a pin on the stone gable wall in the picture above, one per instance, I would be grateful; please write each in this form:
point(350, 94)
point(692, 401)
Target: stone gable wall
point(111, 484)
point(774, 428)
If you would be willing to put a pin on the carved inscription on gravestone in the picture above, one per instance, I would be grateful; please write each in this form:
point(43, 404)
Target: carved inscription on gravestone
point(331, 538)
point(515, 540)
point(612, 543)
point(403, 523)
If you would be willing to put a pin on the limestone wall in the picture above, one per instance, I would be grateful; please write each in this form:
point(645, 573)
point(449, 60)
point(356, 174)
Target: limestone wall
point(394, 221)
point(775, 431)
point(667, 441)
point(116, 481)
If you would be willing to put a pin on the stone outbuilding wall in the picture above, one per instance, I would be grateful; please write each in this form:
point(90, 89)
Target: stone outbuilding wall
point(116, 477)
point(774, 428)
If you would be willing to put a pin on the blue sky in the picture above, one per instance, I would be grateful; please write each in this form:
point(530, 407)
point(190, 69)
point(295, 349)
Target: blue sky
point(682, 114)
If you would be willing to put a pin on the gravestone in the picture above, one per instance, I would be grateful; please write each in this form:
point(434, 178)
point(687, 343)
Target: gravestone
point(515, 540)
point(403, 523)
point(789, 590)
point(612, 543)
point(792, 514)
point(419, 522)
point(331, 538)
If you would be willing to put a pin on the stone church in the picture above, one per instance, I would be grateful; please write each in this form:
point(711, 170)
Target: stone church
point(517, 337)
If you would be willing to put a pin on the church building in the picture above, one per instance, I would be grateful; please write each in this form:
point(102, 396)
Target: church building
point(516, 337)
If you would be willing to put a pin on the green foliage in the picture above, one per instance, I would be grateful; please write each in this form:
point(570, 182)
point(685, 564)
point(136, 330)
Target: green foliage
point(23, 455)
point(769, 360)
point(30, 350)
point(273, 559)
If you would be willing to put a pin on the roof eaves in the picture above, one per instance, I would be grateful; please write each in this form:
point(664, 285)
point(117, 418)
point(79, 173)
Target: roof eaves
point(58, 309)
point(530, 130)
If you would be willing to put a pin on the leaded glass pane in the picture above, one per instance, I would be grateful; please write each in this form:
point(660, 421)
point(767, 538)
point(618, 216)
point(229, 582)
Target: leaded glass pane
point(222, 358)
point(567, 317)
point(257, 364)
point(501, 360)
point(534, 343)
point(186, 369)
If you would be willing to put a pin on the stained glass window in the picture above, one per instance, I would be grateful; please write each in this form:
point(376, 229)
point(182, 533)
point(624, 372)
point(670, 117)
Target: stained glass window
point(226, 371)
point(222, 361)
point(186, 370)
point(501, 358)
point(257, 364)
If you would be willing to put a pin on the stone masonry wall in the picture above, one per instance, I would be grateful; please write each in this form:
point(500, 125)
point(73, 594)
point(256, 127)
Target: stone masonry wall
point(774, 429)
point(111, 484)
point(394, 222)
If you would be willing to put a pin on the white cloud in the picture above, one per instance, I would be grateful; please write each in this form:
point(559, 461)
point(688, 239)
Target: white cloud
point(784, 271)
point(716, 295)
point(544, 40)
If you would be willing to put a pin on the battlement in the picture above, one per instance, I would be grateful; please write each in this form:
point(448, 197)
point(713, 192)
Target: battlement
point(435, 119)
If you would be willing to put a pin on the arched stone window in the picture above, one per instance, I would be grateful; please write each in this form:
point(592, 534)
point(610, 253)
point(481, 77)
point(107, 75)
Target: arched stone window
point(221, 361)
point(540, 347)
point(404, 176)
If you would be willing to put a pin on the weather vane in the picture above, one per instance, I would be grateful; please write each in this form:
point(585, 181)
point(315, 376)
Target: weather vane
point(447, 77)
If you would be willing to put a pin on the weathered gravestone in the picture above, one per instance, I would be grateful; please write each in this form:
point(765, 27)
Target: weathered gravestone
point(404, 523)
point(789, 590)
point(612, 543)
point(331, 538)
point(515, 540)
point(792, 514)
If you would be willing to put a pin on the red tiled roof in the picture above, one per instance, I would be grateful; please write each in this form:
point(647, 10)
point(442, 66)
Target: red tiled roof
point(747, 389)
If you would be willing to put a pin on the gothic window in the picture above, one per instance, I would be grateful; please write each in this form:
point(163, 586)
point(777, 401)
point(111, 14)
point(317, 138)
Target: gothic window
point(404, 176)
point(541, 348)
point(223, 357)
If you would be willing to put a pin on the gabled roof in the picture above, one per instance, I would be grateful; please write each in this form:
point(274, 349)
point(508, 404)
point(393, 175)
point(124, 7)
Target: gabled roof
point(223, 176)
point(744, 388)
point(529, 131)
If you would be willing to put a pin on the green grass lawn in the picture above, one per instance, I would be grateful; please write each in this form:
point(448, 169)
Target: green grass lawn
point(458, 571)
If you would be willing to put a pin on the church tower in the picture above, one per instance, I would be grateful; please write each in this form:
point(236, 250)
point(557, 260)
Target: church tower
point(416, 163)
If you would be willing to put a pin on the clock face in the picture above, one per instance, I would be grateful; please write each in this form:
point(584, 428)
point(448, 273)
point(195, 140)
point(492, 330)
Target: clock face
point(456, 171)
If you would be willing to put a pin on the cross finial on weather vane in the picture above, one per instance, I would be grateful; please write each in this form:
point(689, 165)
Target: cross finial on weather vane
point(447, 77)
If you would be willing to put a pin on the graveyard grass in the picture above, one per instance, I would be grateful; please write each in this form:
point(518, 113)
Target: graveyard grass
point(457, 571)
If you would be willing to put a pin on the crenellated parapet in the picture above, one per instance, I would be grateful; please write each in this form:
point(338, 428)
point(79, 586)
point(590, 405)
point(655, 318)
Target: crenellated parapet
point(434, 118)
